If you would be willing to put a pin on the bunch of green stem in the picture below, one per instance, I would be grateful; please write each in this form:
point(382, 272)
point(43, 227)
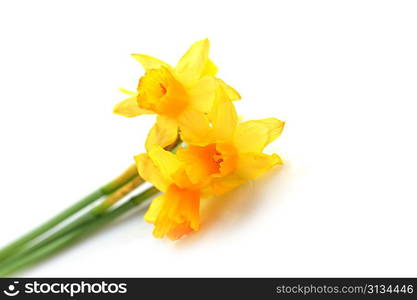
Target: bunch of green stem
point(61, 232)
point(46, 239)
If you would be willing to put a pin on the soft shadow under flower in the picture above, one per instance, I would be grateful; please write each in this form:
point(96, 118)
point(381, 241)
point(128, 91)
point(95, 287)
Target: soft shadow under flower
point(231, 210)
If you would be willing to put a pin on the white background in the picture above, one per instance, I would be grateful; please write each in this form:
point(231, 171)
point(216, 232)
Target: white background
point(342, 74)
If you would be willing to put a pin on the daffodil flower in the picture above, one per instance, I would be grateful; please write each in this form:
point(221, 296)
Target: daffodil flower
point(177, 211)
point(181, 96)
point(231, 155)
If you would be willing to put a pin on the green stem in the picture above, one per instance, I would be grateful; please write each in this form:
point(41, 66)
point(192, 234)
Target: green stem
point(83, 219)
point(90, 215)
point(22, 253)
point(121, 180)
point(74, 235)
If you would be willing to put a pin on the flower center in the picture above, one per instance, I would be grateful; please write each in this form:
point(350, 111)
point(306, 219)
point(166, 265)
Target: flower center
point(217, 158)
point(205, 161)
point(161, 93)
point(164, 90)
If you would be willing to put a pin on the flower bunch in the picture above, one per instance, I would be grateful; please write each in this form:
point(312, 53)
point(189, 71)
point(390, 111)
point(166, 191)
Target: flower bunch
point(197, 149)
point(219, 152)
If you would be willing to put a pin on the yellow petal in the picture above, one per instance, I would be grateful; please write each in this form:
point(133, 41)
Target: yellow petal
point(167, 163)
point(253, 165)
point(194, 62)
point(129, 108)
point(149, 62)
point(222, 185)
point(154, 209)
point(253, 136)
point(163, 133)
point(150, 172)
point(202, 94)
point(210, 69)
point(223, 116)
point(194, 127)
point(231, 93)
point(175, 213)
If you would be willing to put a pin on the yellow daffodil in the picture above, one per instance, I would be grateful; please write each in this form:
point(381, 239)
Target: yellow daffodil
point(233, 151)
point(177, 211)
point(231, 155)
point(181, 96)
